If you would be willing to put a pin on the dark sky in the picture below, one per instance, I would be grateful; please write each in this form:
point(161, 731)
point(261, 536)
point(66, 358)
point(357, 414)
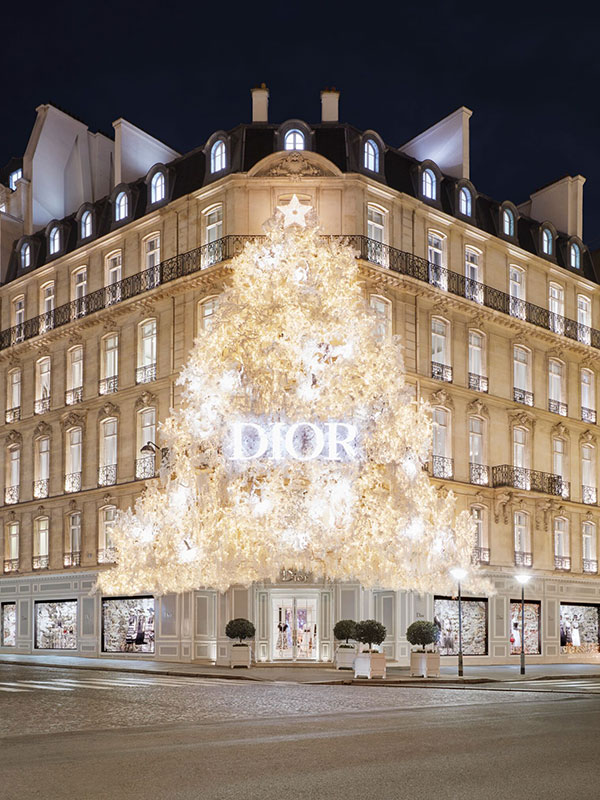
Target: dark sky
point(529, 71)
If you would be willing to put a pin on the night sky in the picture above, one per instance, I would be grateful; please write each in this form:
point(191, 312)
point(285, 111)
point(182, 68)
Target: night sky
point(180, 71)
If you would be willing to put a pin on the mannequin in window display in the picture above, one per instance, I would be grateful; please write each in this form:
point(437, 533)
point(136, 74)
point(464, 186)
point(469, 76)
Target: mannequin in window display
point(568, 635)
point(563, 632)
point(448, 636)
point(575, 637)
point(282, 642)
point(515, 635)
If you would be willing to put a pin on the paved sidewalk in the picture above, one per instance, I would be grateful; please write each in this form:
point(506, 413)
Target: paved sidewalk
point(313, 673)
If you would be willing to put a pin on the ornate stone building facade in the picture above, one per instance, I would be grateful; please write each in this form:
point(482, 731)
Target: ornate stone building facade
point(113, 255)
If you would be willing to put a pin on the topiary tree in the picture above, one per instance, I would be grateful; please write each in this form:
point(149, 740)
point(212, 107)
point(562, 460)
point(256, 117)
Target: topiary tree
point(422, 633)
point(240, 628)
point(345, 629)
point(370, 632)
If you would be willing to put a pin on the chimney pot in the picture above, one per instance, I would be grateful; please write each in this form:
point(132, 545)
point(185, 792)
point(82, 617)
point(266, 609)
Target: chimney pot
point(330, 99)
point(260, 103)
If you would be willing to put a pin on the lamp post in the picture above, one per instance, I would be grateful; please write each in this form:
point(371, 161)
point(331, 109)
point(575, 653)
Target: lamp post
point(458, 573)
point(523, 580)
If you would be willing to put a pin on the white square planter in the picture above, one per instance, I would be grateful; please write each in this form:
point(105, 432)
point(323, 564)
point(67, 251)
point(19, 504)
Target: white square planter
point(369, 665)
point(418, 665)
point(240, 656)
point(344, 657)
point(433, 665)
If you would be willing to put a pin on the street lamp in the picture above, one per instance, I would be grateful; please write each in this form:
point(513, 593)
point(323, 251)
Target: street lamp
point(459, 574)
point(523, 580)
point(149, 449)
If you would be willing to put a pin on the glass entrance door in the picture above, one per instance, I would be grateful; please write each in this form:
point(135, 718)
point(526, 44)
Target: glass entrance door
point(294, 631)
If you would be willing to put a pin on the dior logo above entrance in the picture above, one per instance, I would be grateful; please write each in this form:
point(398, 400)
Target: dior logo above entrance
point(302, 441)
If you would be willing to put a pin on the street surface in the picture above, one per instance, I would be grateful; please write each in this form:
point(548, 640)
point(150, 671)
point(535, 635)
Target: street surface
point(68, 733)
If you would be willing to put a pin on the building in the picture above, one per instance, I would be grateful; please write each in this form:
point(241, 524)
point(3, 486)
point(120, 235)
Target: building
point(113, 253)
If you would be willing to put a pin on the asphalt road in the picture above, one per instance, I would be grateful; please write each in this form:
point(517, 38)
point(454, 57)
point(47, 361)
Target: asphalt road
point(87, 735)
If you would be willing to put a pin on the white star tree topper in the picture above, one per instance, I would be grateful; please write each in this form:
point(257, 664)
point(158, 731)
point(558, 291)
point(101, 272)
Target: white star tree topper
point(294, 213)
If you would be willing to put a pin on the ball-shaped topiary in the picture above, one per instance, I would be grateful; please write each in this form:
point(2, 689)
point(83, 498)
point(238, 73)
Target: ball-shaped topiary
point(240, 628)
point(422, 633)
point(370, 632)
point(344, 629)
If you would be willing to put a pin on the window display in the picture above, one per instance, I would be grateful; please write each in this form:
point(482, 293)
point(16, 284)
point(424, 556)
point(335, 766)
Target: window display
point(579, 628)
point(474, 626)
point(9, 624)
point(532, 628)
point(128, 625)
point(294, 628)
point(56, 625)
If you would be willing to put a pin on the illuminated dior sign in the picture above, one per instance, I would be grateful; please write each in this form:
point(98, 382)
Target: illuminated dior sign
point(304, 441)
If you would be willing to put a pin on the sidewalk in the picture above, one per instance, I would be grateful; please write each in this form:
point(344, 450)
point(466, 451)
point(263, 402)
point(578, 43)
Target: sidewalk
point(310, 674)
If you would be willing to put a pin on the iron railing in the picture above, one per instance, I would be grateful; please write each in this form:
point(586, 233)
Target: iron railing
point(74, 396)
point(479, 474)
point(556, 407)
point(522, 396)
point(12, 414)
point(107, 475)
point(11, 565)
point(41, 562)
point(589, 495)
point(441, 372)
point(11, 495)
point(562, 563)
point(40, 488)
point(73, 482)
point(588, 414)
point(41, 406)
point(108, 385)
point(523, 559)
point(107, 555)
point(442, 467)
point(72, 559)
point(479, 383)
point(145, 374)
point(145, 467)
point(590, 565)
point(480, 555)
point(530, 480)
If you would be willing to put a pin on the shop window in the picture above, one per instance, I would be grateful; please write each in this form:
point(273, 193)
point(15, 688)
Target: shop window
point(474, 619)
point(56, 625)
point(8, 624)
point(128, 625)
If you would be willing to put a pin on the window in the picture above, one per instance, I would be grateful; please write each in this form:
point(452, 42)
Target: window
point(522, 538)
point(47, 307)
point(588, 547)
point(575, 256)
point(41, 543)
point(584, 319)
point(588, 396)
point(438, 276)
point(212, 253)
point(86, 224)
point(145, 466)
point(42, 467)
point(11, 547)
point(121, 206)
point(13, 475)
point(293, 140)
point(79, 292)
point(106, 549)
point(383, 317)
point(477, 465)
point(13, 396)
point(73, 460)
point(25, 255)
point(109, 382)
point(516, 283)
point(558, 457)
point(556, 389)
point(74, 375)
point(442, 451)
point(376, 235)
point(521, 479)
point(18, 313)
point(465, 202)
point(477, 372)
point(556, 307)
point(152, 260)
point(371, 156)
point(473, 285)
point(588, 473)
point(42, 389)
point(157, 187)
point(113, 277)
point(206, 310)
point(146, 369)
point(14, 177)
point(561, 544)
point(508, 222)
point(429, 184)
point(440, 350)
point(481, 553)
point(522, 376)
point(73, 543)
point(217, 157)
point(547, 242)
point(54, 241)
point(107, 475)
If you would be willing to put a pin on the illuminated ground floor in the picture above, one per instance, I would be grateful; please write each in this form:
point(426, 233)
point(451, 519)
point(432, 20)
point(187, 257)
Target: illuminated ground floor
point(294, 620)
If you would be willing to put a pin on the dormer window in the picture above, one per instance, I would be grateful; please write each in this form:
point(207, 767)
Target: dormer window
point(14, 177)
point(157, 188)
point(371, 156)
point(121, 206)
point(547, 242)
point(429, 184)
point(575, 256)
point(54, 241)
point(86, 224)
point(508, 222)
point(293, 140)
point(465, 202)
point(218, 156)
point(25, 255)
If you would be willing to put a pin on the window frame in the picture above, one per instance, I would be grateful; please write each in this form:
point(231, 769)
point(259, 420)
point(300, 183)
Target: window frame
point(218, 156)
point(371, 155)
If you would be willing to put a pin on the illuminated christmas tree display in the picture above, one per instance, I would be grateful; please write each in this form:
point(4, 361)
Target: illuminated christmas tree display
point(297, 443)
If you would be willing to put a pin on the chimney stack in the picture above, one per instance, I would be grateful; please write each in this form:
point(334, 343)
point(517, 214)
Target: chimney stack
point(260, 103)
point(330, 99)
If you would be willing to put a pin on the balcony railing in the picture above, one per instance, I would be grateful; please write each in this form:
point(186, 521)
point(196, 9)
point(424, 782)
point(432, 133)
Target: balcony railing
point(108, 385)
point(442, 467)
point(145, 467)
point(107, 476)
point(441, 372)
point(41, 562)
point(73, 482)
point(589, 495)
point(40, 488)
point(522, 396)
point(11, 565)
point(12, 414)
point(588, 414)
point(562, 563)
point(11, 495)
point(145, 374)
point(590, 565)
point(479, 383)
point(479, 474)
point(523, 559)
point(108, 555)
point(556, 407)
point(72, 559)
point(530, 480)
point(41, 406)
point(74, 396)
point(480, 555)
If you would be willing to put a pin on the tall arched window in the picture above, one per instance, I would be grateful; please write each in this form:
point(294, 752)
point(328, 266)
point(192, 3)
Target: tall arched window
point(146, 368)
point(477, 462)
point(477, 368)
point(371, 156)
point(42, 386)
point(106, 549)
point(25, 255)
point(72, 555)
point(521, 476)
point(13, 475)
point(206, 311)
point(473, 284)
point(41, 543)
point(481, 552)
point(109, 368)
point(11, 547)
point(86, 224)
point(589, 492)
point(121, 206)
point(383, 317)
point(41, 467)
point(516, 288)
point(429, 184)
point(588, 396)
point(377, 252)
point(218, 156)
point(556, 387)
point(508, 222)
point(562, 553)
point(293, 140)
point(441, 368)
point(523, 556)
point(575, 256)
point(54, 240)
point(213, 251)
point(556, 308)
point(157, 187)
point(465, 202)
point(589, 547)
point(522, 376)
point(74, 392)
point(547, 241)
point(584, 319)
point(107, 472)
point(13, 396)
point(145, 464)
point(73, 459)
point(443, 465)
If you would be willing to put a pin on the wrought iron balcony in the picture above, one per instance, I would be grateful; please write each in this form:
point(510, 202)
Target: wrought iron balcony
point(41, 406)
point(589, 495)
point(11, 565)
point(588, 414)
point(145, 374)
point(73, 482)
point(441, 372)
point(474, 290)
point(108, 385)
point(145, 467)
point(562, 563)
point(522, 396)
point(72, 559)
point(40, 488)
point(479, 474)
point(74, 396)
point(12, 414)
point(590, 565)
point(479, 383)
point(108, 555)
point(41, 562)
point(442, 467)
point(480, 555)
point(530, 480)
point(107, 475)
point(556, 407)
point(11, 495)
point(523, 559)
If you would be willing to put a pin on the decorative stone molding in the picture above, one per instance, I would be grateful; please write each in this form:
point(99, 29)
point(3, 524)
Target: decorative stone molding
point(12, 516)
point(42, 429)
point(75, 338)
point(502, 506)
point(587, 437)
point(294, 165)
point(107, 499)
point(144, 400)
point(561, 431)
point(72, 420)
point(478, 408)
point(13, 361)
point(524, 418)
point(108, 410)
point(72, 505)
point(440, 307)
point(441, 398)
point(556, 352)
point(14, 437)
point(41, 511)
point(588, 517)
point(109, 325)
point(477, 320)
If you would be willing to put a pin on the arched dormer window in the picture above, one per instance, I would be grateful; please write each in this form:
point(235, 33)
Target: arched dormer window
point(294, 140)
point(508, 222)
point(54, 240)
point(547, 242)
point(157, 187)
point(465, 202)
point(429, 184)
point(575, 256)
point(218, 156)
point(85, 230)
point(25, 255)
point(371, 155)
point(121, 206)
